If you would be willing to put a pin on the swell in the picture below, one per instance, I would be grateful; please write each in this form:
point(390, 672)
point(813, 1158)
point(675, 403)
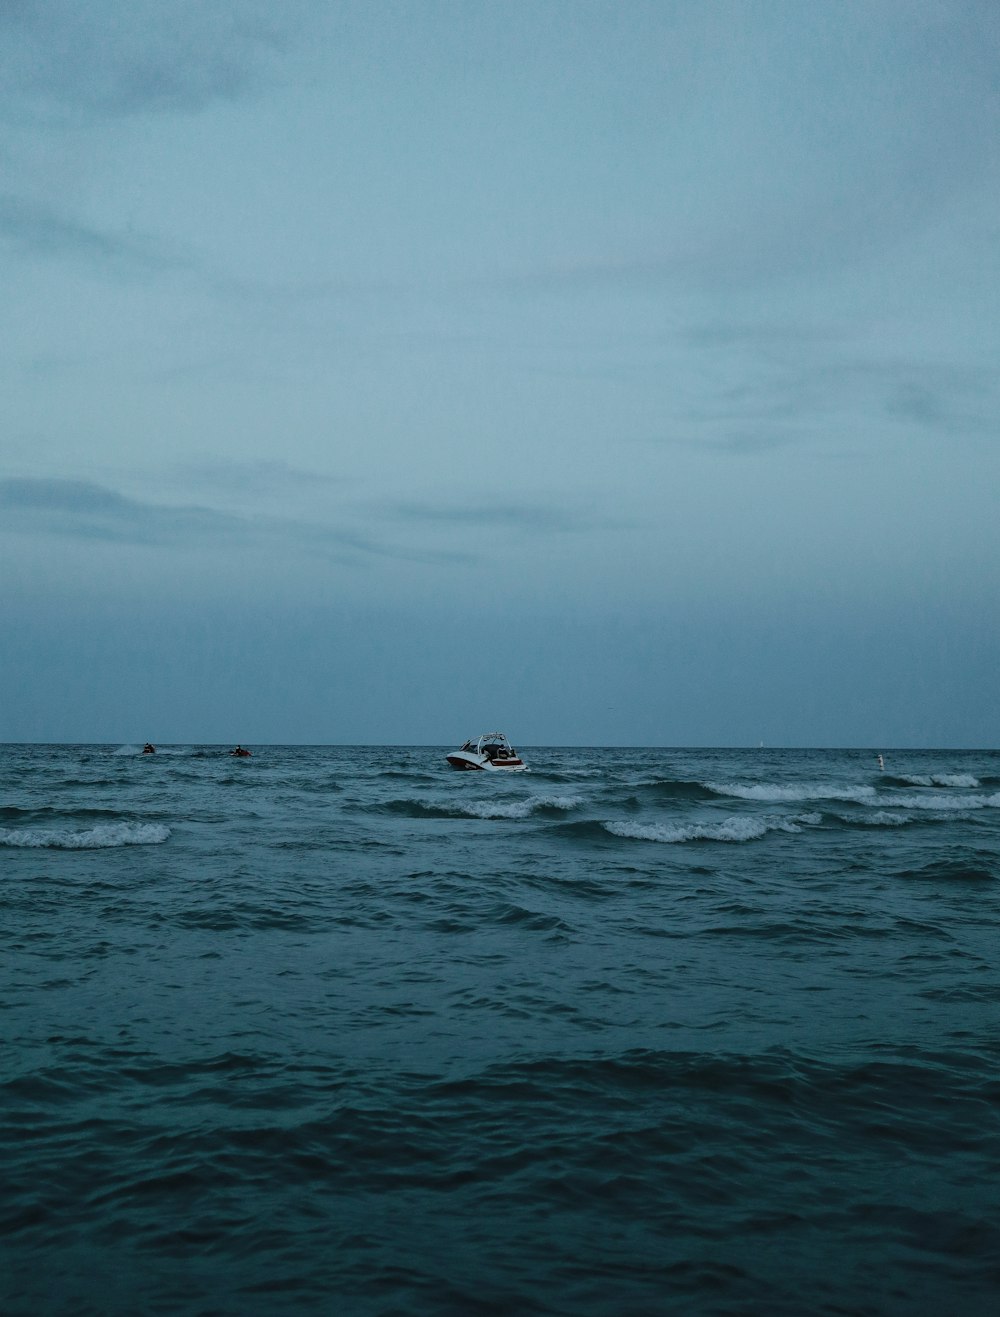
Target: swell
point(974, 866)
point(729, 830)
point(680, 789)
point(645, 1130)
point(530, 807)
point(901, 1084)
point(931, 799)
point(100, 837)
point(955, 780)
point(732, 829)
point(781, 793)
point(46, 813)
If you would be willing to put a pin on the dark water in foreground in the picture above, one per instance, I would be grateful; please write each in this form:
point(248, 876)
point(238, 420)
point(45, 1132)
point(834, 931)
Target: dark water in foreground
point(641, 1031)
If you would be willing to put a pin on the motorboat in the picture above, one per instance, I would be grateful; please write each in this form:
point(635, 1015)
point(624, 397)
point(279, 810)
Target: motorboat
point(491, 751)
point(239, 753)
point(149, 749)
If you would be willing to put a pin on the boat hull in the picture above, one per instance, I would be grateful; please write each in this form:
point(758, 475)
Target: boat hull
point(467, 760)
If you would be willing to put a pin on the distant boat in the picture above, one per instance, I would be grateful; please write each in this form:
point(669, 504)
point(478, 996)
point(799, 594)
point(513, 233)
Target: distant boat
point(149, 749)
point(239, 753)
point(492, 751)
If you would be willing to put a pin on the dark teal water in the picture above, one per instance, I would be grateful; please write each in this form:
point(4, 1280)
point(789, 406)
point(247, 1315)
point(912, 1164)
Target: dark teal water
point(339, 1030)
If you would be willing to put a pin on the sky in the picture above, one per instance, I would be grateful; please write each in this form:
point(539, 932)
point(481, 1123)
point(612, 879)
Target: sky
point(606, 373)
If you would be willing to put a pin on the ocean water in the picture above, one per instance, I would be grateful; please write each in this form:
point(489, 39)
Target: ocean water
point(339, 1030)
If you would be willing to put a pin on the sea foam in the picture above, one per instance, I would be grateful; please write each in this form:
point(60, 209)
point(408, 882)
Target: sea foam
point(104, 836)
point(771, 791)
point(938, 779)
point(942, 803)
point(516, 809)
point(731, 830)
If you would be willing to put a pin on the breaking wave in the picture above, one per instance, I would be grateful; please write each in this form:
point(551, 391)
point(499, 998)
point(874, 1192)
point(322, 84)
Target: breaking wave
point(933, 780)
point(531, 807)
point(942, 803)
point(881, 818)
point(103, 836)
point(931, 799)
point(772, 791)
point(730, 830)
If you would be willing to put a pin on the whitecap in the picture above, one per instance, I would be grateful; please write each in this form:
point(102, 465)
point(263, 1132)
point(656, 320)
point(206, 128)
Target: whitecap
point(942, 804)
point(105, 835)
point(939, 779)
point(882, 818)
point(771, 791)
point(516, 809)
point(733, 829)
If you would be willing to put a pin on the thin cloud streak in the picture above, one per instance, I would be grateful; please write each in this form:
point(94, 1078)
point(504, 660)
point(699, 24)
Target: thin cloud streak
point(260, 477)
point(534, 518)
point(82, 510)
point(68, 60)
point(45, 230)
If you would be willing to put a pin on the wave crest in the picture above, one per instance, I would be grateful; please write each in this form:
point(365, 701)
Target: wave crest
point(934, 780)
point(104, 836)
point(772, 791)
point(482, 809)
point(732, 829)
point(942, 803)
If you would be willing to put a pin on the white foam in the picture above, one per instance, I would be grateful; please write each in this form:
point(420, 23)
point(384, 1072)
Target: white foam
point(517, 809)
point(491, 809)
point(883, 818)
point(771, 791)
point(731, 830)
point(942, 804)
point(103, 836)
point(939, 779)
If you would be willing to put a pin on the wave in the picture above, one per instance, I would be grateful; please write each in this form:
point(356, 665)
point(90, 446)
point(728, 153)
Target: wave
point(932, 799)
point(932, 780)
point(680, 789)
point(733, 829)
point(17, 813)
point(941, 803)
point(969, 871)
point(407, 774)
point(481, 809)
point(773, 792)
point(882, 818)
point(103, 836)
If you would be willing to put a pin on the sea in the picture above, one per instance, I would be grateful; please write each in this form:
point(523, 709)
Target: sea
point(338, 1030)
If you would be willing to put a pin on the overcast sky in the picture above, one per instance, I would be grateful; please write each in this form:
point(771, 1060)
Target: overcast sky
point(609, 373)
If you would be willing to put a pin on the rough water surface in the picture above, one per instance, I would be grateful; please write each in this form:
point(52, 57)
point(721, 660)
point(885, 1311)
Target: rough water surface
point(638, 1031)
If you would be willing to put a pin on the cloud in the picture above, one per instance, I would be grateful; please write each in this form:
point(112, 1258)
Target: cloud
point(253, 477)
point(778, 384)
point(82, 510)
point(45, 230)
point(110, 60)
point(533, 518)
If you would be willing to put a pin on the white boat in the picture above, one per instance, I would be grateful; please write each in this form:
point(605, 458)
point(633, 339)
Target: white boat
point(492, 752)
